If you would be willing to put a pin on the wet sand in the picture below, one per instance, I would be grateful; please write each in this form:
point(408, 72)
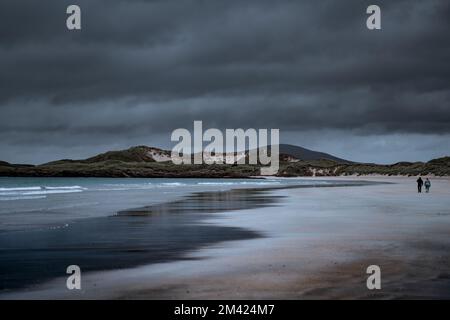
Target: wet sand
point(162, 232)
point(317, 244)
point(141, 236)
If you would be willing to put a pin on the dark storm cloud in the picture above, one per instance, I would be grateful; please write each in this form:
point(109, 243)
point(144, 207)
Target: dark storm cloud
point(142, 68)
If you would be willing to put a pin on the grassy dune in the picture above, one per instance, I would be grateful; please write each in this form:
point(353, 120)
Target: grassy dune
point(142, 161)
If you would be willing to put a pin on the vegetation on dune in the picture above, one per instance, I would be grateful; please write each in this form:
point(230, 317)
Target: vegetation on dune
point(115, 168)
point(438, 167)
point(140, 162)
point(135, 154)
point(4, 164)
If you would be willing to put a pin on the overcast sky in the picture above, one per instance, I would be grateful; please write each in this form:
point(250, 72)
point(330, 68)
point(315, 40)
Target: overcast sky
point(140, 69)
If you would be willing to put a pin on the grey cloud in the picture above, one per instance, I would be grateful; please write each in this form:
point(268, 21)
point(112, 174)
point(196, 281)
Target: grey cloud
point(143, 68)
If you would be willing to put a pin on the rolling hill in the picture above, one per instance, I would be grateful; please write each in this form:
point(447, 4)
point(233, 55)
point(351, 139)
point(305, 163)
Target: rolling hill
point(301, 153)
point(149, 162)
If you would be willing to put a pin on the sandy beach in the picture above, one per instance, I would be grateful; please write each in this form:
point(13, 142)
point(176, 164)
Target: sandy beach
point(317, 244)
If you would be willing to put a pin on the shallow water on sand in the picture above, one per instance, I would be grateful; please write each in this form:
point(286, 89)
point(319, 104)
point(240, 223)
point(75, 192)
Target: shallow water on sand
point(162, 231)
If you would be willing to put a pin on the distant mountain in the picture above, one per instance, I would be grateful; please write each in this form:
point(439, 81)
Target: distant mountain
point(289, 153)
point(133, 154)
point(5, 164)
point(306, 154)
point(12, 165)
point(143, 161)
point(150, 154)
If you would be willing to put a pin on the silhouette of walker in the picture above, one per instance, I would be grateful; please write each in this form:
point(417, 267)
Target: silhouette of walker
point(427, 185)
point(419, 184)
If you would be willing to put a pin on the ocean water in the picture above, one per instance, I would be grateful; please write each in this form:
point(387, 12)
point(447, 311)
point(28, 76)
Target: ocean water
point(40, 203)
point(47, 224)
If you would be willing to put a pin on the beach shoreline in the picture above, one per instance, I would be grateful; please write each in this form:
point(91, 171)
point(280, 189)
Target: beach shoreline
point(319, 247)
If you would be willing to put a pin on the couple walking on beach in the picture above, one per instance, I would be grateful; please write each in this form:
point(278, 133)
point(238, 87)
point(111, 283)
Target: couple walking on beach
point(420, 183)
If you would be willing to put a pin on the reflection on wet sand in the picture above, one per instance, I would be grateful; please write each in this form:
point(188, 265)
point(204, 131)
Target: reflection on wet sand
point(158, 233)
point(210, 202)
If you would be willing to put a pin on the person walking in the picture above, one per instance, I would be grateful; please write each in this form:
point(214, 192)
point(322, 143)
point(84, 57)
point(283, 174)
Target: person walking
point(419, 185)
point(427, 185)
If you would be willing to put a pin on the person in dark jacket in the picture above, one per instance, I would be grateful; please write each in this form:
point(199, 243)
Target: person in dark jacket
point(419, 184)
